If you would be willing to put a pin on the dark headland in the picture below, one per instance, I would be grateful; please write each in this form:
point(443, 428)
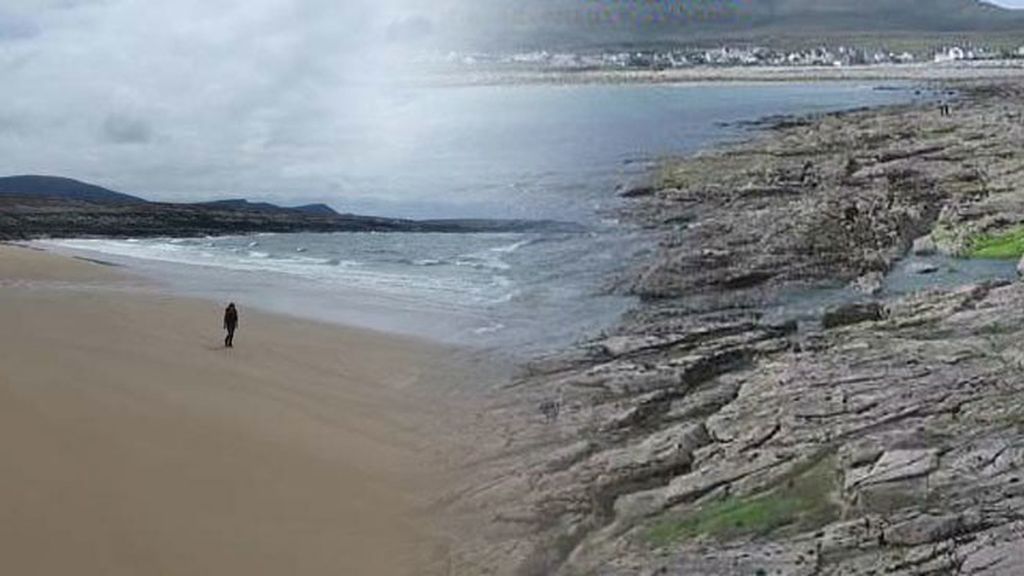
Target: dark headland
point(53, 207)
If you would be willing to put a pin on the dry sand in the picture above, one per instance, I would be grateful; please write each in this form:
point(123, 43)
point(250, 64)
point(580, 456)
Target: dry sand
point(132, 443)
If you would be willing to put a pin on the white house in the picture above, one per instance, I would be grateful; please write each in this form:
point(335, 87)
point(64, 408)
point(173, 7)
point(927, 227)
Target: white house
point(950, 54)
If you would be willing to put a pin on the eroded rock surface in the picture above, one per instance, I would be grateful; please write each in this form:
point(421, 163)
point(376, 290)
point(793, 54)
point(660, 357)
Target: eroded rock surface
point(708, 437)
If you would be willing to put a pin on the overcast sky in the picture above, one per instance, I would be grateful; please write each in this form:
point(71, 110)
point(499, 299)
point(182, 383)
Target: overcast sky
point(181, 99)
point(186, 99)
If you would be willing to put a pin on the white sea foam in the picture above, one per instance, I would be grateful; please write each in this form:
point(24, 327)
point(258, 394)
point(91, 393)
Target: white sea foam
point(511, 247)
point(489, 329)
point(413, 280)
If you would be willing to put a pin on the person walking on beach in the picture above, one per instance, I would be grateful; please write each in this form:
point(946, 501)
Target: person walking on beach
point(230, 324)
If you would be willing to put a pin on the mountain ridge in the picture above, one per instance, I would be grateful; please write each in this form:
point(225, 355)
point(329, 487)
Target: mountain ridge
point(70, 189)
point(59, 187)
point(569, 23)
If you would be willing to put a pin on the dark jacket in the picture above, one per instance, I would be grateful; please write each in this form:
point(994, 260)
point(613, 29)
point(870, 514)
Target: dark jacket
point(230, 318)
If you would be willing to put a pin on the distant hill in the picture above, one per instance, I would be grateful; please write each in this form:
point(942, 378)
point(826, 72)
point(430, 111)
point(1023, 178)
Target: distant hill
point(242, 204)
point(69, 189)
point(47, 206)
point(574, 23)
point(317, 209)
point(57, 188)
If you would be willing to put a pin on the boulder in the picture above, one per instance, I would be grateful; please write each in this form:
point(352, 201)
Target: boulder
point(1020, 266)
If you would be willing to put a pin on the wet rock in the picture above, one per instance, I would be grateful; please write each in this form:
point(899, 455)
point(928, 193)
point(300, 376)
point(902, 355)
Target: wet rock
point(638, 191)
point(923, 268)
point(853, 314)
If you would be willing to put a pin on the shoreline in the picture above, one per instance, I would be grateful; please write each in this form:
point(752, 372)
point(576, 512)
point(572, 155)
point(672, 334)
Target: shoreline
point(361, 309)
point(136, 444)
point(160, 276)
point(725, 132)
point(706, 437)
point(699, 407)
point(977, 71)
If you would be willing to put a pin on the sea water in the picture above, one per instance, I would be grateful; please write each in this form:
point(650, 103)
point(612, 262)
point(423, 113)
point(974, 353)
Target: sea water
point(551, 152)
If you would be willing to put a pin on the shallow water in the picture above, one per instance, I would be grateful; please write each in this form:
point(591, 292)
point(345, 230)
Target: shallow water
point(918, 273)
point(909, 276)
point(554, 152)
point(551, 151)
point(530, 291)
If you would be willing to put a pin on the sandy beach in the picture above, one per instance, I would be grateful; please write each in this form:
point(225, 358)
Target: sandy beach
point(133, 443)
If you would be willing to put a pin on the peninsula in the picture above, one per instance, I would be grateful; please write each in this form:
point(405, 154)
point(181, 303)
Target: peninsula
point(51, 207)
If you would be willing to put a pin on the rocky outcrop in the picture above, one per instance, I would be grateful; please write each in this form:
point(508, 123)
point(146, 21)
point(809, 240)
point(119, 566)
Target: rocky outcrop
point(682, 451)
point(707, 435)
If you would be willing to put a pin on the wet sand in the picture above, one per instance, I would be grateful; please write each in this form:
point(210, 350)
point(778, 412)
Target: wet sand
point(132, 442)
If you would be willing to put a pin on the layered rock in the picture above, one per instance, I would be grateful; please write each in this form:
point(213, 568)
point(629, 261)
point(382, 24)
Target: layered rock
point(707, 435)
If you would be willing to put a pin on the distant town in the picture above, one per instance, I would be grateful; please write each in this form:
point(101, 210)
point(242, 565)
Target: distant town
point(724, 56)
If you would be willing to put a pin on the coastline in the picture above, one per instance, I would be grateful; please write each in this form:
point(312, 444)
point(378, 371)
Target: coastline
point(515, 294)
point(709, 435)
point(966, 71)
point(702, 410)
point(136, 444)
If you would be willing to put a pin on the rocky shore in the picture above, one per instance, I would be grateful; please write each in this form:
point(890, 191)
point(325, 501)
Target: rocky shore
point(709, 435)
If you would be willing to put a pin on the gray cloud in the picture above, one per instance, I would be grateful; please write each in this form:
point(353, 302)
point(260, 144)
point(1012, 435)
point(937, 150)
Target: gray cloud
point(10, 125)
point(121, 129)
point(16, 27)
point(262, 97)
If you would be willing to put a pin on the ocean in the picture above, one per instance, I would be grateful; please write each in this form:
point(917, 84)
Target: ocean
point(553, 152)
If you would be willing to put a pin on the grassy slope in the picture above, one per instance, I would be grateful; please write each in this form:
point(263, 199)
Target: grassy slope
point(1005, 246)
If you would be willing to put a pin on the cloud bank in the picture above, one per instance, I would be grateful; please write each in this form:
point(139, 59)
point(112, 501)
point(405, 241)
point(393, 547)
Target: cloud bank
point(185, 99)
